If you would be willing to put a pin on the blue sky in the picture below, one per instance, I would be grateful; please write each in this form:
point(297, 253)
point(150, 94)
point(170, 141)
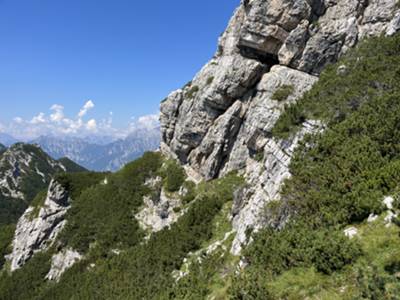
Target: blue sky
point(123, 55)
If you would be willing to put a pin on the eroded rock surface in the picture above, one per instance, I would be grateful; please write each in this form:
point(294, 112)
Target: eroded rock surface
point(38, 227)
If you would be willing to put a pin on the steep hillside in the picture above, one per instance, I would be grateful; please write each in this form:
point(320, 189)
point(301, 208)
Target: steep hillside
point(24, 171)
point(71, 166)
point(150, 232)
point(344, 182)
point(270, 55)
point(278, 176)
point(89, 233)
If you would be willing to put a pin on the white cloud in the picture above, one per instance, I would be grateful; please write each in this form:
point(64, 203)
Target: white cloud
point(91, 125)
point(40, 118)
point(145, 122)
point(58, 113)
point(88, 106)
point(149, 121)
point(56, 123)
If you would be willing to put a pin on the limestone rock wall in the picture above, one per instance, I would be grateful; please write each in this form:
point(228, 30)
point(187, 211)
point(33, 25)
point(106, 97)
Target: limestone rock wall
point(36, 233)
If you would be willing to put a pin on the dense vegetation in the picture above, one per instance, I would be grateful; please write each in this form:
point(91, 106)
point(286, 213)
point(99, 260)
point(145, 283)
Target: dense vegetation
point(103, 213)
point(71, 166)
point(101, 223)
point(173, 175)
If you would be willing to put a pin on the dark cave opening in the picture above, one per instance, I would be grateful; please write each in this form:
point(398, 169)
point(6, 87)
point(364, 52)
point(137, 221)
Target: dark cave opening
point(263, 57)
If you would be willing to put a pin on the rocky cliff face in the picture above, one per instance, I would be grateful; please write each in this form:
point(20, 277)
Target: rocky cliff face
point(38, 227)
point(222, 120)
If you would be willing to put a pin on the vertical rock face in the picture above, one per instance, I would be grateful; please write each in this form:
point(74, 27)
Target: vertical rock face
point(35, 233)
point(223, 118)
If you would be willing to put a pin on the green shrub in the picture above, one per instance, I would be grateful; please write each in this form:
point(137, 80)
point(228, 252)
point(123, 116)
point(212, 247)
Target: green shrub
point(6, 235)
point(144, 270)
point(342, 178)
point(259, 156)
point(190, 187)
point(210, 80)
point(299, 246)
point(250, 285)
point(283, 93)
point(174, 176)
point(372, 68)
point(25, 283)
point(192, 92)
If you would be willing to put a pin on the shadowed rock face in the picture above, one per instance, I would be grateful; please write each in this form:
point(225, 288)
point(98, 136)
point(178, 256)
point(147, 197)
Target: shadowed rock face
point(219, 121)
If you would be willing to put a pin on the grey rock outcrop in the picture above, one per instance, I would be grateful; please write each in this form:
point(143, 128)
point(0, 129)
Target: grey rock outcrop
point(61, 262)
point(222, 120)
point(160, 208)
point(265, 180)
point(36, 233)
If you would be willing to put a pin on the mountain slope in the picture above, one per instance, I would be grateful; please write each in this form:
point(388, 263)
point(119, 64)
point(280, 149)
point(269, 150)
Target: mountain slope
point(24, 171)
point(340, 242)
point(102, 157)
point(270, 55)
point(289, 187)
point(71, 166)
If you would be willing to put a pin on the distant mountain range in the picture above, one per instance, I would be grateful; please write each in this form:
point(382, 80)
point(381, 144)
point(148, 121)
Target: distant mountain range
point(96, 153)
point(7, 140)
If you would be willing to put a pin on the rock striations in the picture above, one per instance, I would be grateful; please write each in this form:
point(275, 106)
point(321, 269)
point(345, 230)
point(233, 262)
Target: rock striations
point(222, 120)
